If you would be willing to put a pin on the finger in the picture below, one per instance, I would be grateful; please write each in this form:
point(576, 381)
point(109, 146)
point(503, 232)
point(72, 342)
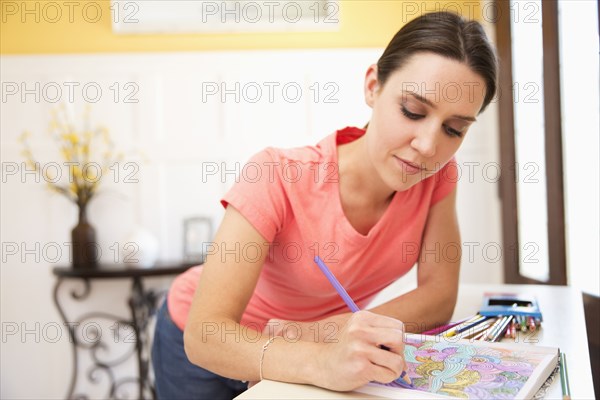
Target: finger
point(379, 321)
point(386, 367)
point(386, 338)
point(394, 362)
point(391, 341)
point(397, 361)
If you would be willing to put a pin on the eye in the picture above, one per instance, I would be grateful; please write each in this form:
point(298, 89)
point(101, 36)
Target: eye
point(409, 114)
point(453, 132)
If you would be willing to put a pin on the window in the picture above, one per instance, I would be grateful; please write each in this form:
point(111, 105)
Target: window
point(580, 91)
point(204, 16)
point(529, 133)
point(549, 122)
point(531, 142)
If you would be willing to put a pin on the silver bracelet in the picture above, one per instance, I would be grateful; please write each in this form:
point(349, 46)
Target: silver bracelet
point(262, 354)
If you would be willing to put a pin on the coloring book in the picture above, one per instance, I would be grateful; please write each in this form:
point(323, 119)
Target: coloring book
point(466, 369)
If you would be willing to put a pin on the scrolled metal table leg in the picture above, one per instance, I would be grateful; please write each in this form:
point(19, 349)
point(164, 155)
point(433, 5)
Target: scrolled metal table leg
point(141, 304)
point(72, 338)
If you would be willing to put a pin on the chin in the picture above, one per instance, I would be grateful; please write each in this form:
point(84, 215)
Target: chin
point(405, 183)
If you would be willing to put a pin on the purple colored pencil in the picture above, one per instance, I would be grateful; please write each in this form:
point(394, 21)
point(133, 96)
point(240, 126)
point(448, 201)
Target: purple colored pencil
point(336, 285)
point(404, 380)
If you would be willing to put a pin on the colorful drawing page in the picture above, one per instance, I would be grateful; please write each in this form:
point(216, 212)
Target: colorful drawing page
point(471, 369)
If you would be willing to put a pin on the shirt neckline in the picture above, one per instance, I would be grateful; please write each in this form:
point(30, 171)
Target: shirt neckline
point(347, 227)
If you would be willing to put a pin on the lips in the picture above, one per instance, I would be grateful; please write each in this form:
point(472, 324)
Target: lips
point(408, 166)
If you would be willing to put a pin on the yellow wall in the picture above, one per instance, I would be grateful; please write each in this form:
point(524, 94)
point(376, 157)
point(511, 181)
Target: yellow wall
point(363, 23)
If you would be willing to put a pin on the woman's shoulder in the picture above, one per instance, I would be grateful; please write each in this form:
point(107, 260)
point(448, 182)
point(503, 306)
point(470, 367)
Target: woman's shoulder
point(323, 150)
point(303, 155)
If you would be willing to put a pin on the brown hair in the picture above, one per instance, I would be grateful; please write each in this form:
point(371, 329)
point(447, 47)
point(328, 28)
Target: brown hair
point(446, 34)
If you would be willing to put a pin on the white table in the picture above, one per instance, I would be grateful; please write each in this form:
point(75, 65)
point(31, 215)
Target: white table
point(563, 326)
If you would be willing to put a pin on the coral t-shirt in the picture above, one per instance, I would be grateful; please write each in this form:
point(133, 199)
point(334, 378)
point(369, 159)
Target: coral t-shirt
point(291, 197)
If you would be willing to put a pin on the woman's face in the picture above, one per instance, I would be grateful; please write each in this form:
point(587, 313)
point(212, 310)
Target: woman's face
point(420, 117)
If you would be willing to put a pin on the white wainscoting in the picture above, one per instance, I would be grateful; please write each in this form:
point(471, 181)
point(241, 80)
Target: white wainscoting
point(179, 132)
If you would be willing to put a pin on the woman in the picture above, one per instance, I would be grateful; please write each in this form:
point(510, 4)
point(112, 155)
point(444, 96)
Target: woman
point(371, 202)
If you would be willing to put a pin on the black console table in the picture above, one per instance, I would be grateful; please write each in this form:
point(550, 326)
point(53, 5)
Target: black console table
point(142, 305)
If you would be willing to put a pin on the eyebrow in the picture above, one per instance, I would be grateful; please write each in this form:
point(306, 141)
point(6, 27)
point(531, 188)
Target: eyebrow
point(430, 104)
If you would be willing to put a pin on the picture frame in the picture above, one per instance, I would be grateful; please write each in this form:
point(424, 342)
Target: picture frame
point(197, 232)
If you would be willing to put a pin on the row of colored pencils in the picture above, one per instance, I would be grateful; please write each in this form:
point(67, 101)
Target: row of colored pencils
point(490, 329)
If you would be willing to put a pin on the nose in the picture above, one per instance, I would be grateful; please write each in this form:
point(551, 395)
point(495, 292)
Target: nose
point(425, 142)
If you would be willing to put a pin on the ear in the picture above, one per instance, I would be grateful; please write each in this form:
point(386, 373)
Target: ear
point(371, 85)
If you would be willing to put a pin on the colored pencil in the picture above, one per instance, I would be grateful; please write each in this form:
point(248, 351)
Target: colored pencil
point(443, 328)
point(564, 377)
point(472, 324)
point(453, 330)
point(492, 333)
point(523, 323)
point(404, 379)
point(491, 328)
point(468, 333)
point(507, 333)
point(513, 329)
point(336, 285)
point(531, 323)
point(502, 328)
point(478, 336)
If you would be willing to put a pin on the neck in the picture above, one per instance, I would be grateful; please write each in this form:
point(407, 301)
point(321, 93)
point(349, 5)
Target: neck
point(358, 174)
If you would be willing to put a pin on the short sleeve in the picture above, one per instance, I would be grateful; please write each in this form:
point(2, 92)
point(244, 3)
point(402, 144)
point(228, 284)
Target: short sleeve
point(445, 181)
point(259, 194)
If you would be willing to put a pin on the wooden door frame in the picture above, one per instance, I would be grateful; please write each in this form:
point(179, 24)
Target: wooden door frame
point(553, 147)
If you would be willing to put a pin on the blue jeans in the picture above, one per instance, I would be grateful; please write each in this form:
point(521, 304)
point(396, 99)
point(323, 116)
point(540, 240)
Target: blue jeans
point(175, 376)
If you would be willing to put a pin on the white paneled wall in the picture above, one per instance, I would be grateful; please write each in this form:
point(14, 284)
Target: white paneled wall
point(181, 129)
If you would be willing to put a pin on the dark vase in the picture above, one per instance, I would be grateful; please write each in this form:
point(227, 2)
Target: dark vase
point(84, 247)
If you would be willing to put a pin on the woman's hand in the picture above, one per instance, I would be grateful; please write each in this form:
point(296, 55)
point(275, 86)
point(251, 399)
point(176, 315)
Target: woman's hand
point(356, 357)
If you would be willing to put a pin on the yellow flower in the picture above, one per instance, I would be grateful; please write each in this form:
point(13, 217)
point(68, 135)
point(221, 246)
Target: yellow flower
point(88, 152)
point(72, 138)
point(24, 136)
point(33, 165)
point(105, 136)
point(73, 188)
point(75, 171)
point(67, 154)
point(91, 173)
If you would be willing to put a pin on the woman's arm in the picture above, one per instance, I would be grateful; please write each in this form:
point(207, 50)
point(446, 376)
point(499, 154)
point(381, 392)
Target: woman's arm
point(432, 302)
point(215, 340)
